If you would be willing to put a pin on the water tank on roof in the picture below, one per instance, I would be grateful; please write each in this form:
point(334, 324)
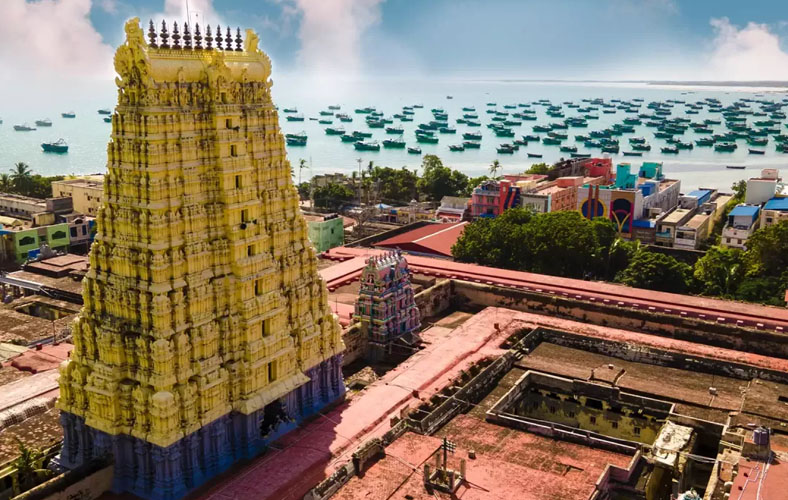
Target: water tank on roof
point(760, 436)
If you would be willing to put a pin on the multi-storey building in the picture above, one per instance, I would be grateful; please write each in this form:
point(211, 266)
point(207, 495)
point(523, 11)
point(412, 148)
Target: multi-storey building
point(491, 198)
point(86, 192)
point(386, 307)
point(205, 331)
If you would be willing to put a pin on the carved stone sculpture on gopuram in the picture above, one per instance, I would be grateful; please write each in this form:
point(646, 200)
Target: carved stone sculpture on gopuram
point(206, 331)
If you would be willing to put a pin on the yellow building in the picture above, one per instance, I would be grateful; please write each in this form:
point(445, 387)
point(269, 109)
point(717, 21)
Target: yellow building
point(205, 331)
point(87, 192)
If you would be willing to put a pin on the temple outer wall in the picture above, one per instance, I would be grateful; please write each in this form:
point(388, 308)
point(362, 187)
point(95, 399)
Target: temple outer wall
point(709, 331)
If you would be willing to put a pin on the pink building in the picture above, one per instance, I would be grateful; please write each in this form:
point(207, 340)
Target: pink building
point(491, 198)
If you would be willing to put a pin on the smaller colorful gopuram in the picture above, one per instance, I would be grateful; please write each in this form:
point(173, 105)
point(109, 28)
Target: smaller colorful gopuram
point(386, 307)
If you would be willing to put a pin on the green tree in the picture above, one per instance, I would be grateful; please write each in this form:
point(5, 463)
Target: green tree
point(767, 250)
point(332, 196)
point(6, 184)
point(438, 180)
point(473, 182)
point(740, 190)
point(395, 185)
point(763, 289)
point(494, 168)
point(26, 464)
point(720, 271)
point(538, 168)
point(656, 271)
point(304, 190)
point(557, 243)
point(21, 176)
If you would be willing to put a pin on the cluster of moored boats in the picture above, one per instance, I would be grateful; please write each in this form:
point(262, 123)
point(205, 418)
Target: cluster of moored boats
point(756, 122)
point(59, 146)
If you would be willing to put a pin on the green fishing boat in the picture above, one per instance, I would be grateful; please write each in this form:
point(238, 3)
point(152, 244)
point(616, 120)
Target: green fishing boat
point(367, 146)
point(398, 143)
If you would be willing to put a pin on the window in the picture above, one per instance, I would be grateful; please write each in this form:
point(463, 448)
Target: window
point(228, 123)
point(224, 97)
point(636, 430)
point(265, 327)
point(245, 215)
point(594, 403)
point(272, 371)
point(258, 287)
point(250, 250)
point(58, 235)
point(615, 425)
point(233, 150)
point(73, 232)
point(237, 182)
point(27, 240)
point(84, 230)
point(593, 420)
point(727, 240)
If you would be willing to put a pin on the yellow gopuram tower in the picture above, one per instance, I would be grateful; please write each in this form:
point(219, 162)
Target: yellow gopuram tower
point(205, 331)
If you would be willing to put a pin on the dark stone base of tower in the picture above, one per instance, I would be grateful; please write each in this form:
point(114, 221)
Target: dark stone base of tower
point(157, 473)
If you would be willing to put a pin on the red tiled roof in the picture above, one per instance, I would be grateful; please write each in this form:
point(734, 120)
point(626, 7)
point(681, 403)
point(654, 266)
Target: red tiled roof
point(48, 358)
point(435, 239)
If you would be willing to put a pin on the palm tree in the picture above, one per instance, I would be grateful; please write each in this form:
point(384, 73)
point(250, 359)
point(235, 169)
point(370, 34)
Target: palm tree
point(21, 175)
point(6, 184)
point(301, 166)
point(494, 168)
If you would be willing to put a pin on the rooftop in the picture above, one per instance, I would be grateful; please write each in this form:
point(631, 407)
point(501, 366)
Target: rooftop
point(434, 239)
point(696, 221)
point(508, 464)
point(780, 204)
point(676, 216)
point(698, 193)
point(744, 211)
point(88, 181)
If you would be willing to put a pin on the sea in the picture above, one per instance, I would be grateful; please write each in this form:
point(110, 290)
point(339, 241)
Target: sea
point(87, 134)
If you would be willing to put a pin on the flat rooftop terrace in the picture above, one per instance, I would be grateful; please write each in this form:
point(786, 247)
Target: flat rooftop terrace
point(509, 464)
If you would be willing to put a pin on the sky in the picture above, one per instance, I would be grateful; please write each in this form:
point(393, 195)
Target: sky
point(54, 45)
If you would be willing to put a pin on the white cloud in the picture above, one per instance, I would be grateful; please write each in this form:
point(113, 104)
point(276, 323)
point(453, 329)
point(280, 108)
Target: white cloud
point(331, 34)
point(749, 53)
point(109, 6)
point(51, 37)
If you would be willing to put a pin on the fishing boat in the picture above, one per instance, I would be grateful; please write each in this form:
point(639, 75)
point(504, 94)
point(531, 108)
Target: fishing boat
point(295, 118)
point(447, 130)
point(534, 155)
point(633, 153)
point(398, 143)
point(725, 147)
point(531, 138)
point(472, 144)
point(395, 130)
point(68, 114)
point(362, 135)
point(472, 136)
point(23, 128)
point(641, 147)
point(610, 149)
point(335, 131)
point(367, 146)
point(286, 110)
point(46, 122)
point(581, 155)
point(414, 150)
point(105, 111)
point(736, 167)
point(326, 113)
point(705, 142)
point(348, 138)
point(59, 146)
point(756, 151)
point(325, 122)
point(670, 150)
point(107, 119)
point(551, 141)
point(334, 107)
point(456, 147)
point(344, 118)
point(296, 139)
point(506, 149)
point(426, 139)
point(568, 149)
